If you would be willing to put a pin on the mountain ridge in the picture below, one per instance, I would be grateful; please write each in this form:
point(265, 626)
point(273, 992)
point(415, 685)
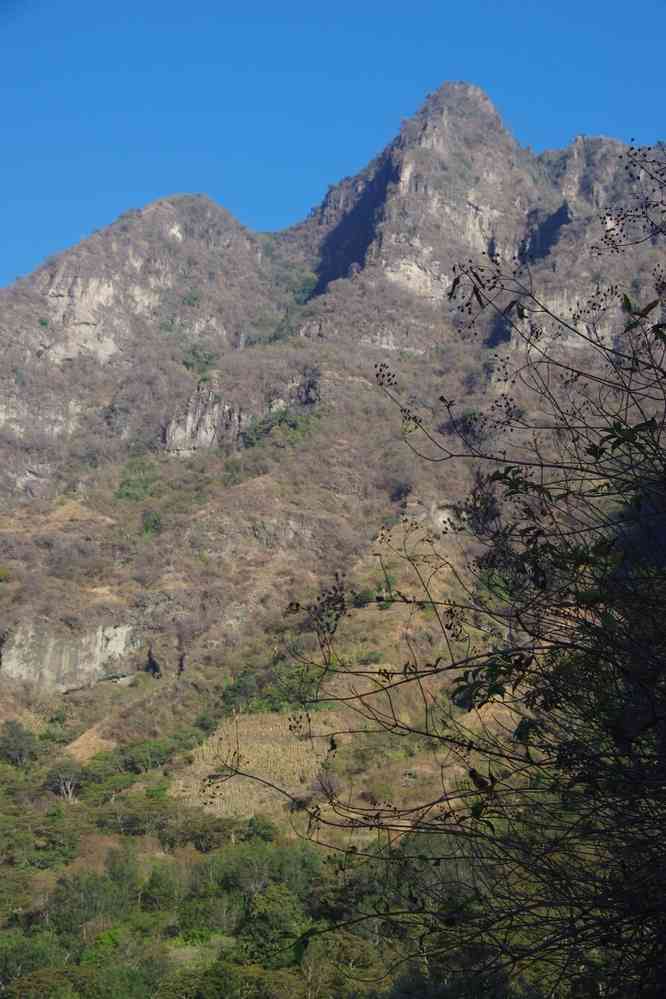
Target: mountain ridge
point(178, 369)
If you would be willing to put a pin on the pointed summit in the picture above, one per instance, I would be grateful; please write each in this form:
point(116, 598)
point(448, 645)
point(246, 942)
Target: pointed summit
point(454, 182)
point(457, 110)
point(458, 97)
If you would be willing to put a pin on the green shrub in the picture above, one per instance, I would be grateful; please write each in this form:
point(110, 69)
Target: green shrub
point(78, 898)
point(98, 793)
point(274, 921)
point(247, 466)
point(55, 734)
point(199, 360)
point(151, 522)
point(21, 954)
point(138, 480)
point(233, 472)
point(231, 982)
point(363, 597)
point(200, 918)
point(206, 722)
point(304, 286)
point(134, 815)
point(143, 756)
point(162, 890)
point(285, 427)
point(66, 779)
point(259, 827)
point(158, 792)
point(18, 745)
point(55, 841)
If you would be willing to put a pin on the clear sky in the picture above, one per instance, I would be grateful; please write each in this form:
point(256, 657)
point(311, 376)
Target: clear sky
point(262, 105)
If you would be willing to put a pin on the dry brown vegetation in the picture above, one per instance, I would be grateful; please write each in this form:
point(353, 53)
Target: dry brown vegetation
point(269, 748)
point(201, 552)
point(88, 744)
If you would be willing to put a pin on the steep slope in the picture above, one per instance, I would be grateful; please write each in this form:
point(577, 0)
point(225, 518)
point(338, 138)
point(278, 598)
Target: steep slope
point(455, 184)
point(103, 336)
point(190, 434)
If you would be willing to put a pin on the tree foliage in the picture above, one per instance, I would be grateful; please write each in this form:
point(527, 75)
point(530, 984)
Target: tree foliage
point(18, 745)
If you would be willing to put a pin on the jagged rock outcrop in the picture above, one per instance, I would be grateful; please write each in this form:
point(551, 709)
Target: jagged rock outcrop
point(207, 422)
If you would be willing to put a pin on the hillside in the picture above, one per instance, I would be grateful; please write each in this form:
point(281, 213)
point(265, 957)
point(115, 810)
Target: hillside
point(188, 411)
point(192, 445)
point(192, 435)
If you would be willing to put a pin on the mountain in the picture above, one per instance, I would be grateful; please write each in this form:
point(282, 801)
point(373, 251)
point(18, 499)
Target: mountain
point(190, 431)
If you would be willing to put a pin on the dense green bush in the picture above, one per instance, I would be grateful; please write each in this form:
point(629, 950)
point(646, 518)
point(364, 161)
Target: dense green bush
point(163, 889)
point(206, 722)
point(29, 840)
point(273, 923)
point(137, 758)
point(370, 658)
point(284, 427)
point(79, 898)
point(232, 982)
point(198, 360)
point(98, 792)
point(200, 917)
point(137, 815)
point(18, 745)
point(138, 480)
point(363, 597)
point(151, 522)
point(259, 827)
point(65, 779)
point(21, 954)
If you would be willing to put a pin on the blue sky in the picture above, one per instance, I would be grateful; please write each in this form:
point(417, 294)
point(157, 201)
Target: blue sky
point(106, 107)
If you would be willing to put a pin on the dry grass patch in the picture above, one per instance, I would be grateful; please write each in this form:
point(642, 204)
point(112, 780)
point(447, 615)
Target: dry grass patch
point(103, 594)
point(267, 749)
point(71, 511)
point(93, 853)
point(89, 743)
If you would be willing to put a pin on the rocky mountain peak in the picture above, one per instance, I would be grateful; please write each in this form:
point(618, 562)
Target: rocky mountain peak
point(455, 180)
point(456, 102)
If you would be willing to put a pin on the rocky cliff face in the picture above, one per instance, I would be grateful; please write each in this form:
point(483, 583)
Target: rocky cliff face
point(456, 184)
point(206, 390)
point(206, 422)
point(35, 654)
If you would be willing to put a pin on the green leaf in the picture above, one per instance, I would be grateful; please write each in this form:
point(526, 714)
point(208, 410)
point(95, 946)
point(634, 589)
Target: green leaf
point(477, 809)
